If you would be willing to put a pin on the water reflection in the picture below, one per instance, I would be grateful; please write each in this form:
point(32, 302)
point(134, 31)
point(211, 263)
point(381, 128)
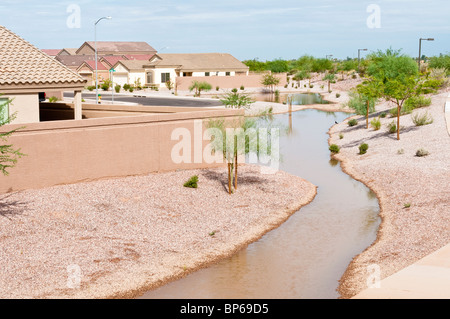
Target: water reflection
point(297, 98)
point(307, 255)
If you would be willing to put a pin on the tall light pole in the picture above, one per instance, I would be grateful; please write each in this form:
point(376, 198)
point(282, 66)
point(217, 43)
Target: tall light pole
point(420, 48)
point(359, 56)
point(96, 71)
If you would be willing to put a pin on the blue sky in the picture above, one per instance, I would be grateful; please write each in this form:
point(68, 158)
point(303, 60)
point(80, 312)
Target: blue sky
point(247, 28)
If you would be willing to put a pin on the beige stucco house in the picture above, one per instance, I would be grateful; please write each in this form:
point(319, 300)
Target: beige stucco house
point(161, 68)
point(25, 72)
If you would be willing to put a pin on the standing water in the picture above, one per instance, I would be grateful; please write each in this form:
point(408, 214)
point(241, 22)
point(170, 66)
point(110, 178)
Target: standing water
point(307, 255)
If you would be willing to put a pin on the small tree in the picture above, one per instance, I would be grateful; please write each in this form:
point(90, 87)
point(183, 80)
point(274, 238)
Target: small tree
point(329, 77)
point(169, 85)
point(237, 100)
point(237, 138)
point(8, 155)
point(198, 87)
point(396, 77)
point(270, 80)
point(368, 92)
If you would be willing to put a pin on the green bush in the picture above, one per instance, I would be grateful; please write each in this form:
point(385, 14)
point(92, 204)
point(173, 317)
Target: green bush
point(52, 99)
point(376, 124)
point(383, 115)
point(392, 127)
point(91, 88)
point(242, 88)
point(131, 89)
point(415, 102)
point(126, 86)
point(217, 88)
point(338, 95)
point(352, 122)
point(117, 88)
point(341, 136)
point(192, 182)
point(334, 148)
point(363, 148)
point(422, 152)
point(422, 119)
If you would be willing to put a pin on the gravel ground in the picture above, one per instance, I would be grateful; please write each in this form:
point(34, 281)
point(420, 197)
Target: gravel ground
point(398, 177)
point(118, 238)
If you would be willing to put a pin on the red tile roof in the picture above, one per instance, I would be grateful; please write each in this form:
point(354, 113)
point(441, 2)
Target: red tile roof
point(51, 52)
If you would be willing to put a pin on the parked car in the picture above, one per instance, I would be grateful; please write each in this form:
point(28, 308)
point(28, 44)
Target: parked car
point(42, 96)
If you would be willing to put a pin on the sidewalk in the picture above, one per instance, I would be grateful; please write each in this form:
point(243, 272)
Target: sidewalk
point(429, 278)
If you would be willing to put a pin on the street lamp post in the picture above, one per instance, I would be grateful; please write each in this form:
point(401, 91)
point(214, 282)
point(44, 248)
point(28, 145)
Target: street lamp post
point(359, 56)
point(96, 71)
point(420, 48)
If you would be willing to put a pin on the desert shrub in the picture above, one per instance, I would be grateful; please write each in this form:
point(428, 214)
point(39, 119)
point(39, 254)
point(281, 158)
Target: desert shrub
point(358, 103)
point(126, 86)
point(217, 88)
point(422, 119)
point(363, 148)
point(376, 124)
point(242, 88)
point(52, 99)
point(422, 152)
point(311, 86)
point(338, 95)
point(341, 136)
point(415, 102)
point(192, 182)
point(286, 86)
point(392, 127)
point(131, 89)
point(352, 122)
point(401, 151)
point(117, 88)
point(91, 88)
point(334, 148)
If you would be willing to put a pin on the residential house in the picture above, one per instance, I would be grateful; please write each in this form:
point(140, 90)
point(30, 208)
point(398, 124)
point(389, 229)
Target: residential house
point(68, 51)
point(51, 52)
point(26, 72)
point(87, 71)
point(115, 48)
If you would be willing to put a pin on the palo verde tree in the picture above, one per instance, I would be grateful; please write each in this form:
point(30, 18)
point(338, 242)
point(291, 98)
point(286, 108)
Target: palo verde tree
point(198, 87)
point(366, 93)
point(329, 77)
point(396, 77)
point(235, 138)
point(269, 80)
point(8, 155)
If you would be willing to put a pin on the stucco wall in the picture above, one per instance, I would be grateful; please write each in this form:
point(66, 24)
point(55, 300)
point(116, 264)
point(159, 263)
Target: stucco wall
point(63, 152)
point(26, 107)
point(228, 82)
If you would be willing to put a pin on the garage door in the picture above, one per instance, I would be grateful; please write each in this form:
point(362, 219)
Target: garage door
point(120, 79)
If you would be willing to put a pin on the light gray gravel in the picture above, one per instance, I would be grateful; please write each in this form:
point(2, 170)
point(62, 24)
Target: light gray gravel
point(120, 237)
point(398, 177)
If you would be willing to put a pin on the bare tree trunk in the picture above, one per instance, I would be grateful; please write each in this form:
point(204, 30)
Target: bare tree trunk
point(367, 114)
point(235, 172)
point(229, 178)
point(398, 121)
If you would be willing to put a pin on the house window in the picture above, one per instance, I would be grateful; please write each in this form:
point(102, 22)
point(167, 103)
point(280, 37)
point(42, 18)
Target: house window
point(206, 73)
point(4, 110)
point(187, 73)
point(149, 78)
point(227, 73)
point(165, 77)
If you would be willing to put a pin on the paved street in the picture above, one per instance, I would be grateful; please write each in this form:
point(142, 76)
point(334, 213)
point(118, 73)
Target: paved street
point(152, 101)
